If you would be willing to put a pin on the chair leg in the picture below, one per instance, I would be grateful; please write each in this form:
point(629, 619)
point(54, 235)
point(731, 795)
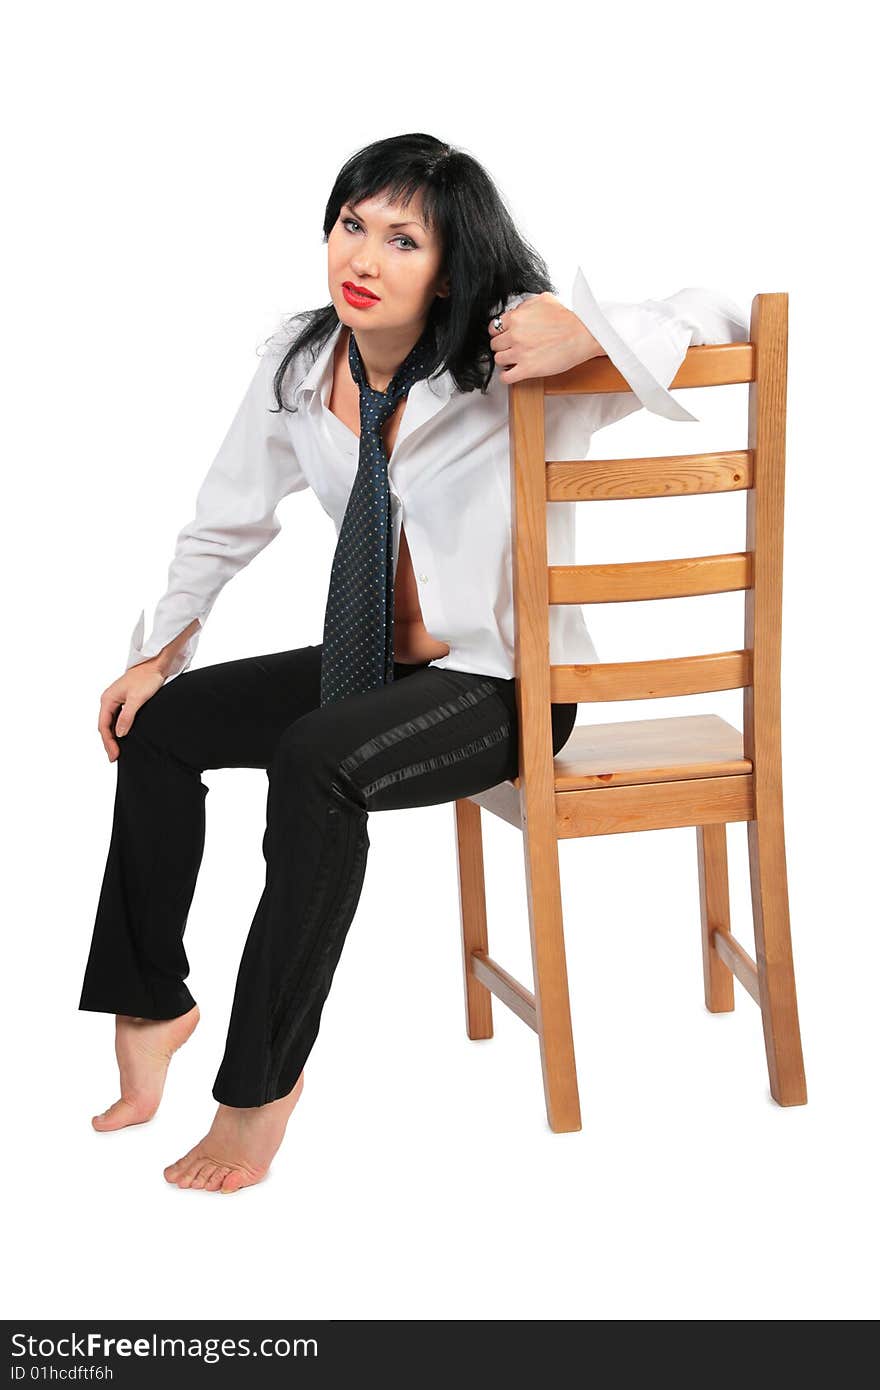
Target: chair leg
point(779, 1011)
point(714, 912)
point(472, 908)
point(551, 979)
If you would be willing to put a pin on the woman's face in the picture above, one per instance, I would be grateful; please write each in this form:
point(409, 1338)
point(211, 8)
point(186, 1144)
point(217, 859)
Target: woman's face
point(400, 265)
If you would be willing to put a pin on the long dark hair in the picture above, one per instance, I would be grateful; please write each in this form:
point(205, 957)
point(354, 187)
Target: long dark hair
point(484, 255)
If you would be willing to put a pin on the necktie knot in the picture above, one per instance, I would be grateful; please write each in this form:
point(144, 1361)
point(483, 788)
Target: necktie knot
point(376, 406)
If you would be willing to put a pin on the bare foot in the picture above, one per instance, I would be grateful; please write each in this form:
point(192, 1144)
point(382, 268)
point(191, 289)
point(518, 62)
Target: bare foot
point(144, 1047)
point(238, 1148)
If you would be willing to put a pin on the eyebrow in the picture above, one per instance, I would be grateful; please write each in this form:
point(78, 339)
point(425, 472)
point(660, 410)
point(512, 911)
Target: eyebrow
point(392, 225)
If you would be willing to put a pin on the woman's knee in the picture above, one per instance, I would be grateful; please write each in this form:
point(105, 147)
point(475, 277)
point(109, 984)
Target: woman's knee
point(161, 719)
point(310, 752)
point(304, 745)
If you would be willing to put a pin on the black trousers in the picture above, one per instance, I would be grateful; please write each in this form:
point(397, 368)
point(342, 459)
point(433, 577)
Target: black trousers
point(430, 736)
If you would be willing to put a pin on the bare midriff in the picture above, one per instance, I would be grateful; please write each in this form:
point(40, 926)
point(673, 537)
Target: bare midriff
point(412, 641)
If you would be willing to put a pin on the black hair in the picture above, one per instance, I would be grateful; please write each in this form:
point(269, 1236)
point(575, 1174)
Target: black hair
point(484, 256)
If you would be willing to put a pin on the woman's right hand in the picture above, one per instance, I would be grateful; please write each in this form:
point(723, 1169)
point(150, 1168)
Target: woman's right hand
point(132, 690)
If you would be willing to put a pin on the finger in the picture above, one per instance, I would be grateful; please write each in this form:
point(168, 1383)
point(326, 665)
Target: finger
point(513, 372)
point(125, 718)
point(105, 720)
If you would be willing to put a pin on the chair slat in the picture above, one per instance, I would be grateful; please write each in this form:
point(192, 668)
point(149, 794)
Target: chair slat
point(650, 680)
point(672, 475)
point(714, 364)
point(648, 579)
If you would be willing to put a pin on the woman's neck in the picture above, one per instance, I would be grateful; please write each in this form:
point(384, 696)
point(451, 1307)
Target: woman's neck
point(380, 367)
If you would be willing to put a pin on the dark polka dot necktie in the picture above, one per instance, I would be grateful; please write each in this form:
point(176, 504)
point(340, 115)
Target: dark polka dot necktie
point(358, 649)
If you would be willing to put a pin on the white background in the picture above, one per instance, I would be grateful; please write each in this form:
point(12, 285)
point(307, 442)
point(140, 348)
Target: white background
point(168, 168)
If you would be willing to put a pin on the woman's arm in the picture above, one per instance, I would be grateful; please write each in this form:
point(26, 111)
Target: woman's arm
point(646, 341)
point(234, 520)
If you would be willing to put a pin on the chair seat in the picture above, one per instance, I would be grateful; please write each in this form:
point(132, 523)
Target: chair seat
point(649, 750)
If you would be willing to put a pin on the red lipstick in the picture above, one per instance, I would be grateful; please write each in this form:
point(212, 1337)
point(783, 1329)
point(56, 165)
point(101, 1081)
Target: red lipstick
point(357, 295)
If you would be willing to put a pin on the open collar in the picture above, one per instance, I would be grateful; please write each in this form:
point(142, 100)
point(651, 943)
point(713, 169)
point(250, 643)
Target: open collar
point(424, 398)
point(322, 368)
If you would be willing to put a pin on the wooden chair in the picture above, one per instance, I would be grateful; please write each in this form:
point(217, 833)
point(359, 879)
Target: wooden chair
point(647, 774)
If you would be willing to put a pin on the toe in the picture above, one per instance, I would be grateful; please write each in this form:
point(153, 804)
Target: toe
point(234, 1180)
point(123, 1112)
point(203, 1173)
point(216, 1178)
point(173, 1171)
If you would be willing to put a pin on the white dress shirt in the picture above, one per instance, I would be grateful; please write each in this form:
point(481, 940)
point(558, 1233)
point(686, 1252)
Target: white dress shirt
point(449, 479)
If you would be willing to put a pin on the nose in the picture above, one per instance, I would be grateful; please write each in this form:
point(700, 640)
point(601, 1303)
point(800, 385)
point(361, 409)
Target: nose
point(364, 260)
point(364, 267)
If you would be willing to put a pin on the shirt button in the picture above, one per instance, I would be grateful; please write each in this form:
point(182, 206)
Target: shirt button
point(423, 578)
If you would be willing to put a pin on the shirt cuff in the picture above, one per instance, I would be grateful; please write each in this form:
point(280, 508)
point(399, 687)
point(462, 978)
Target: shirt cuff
point(140, 651)
point(646, 342)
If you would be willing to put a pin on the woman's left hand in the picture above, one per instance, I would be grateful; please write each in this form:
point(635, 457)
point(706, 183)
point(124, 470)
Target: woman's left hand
point(540, 337)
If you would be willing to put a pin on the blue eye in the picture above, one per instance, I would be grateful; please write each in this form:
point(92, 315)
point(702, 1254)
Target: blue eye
point(402, 237)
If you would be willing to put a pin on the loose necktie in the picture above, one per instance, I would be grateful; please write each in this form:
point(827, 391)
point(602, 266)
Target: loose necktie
point(358, 648)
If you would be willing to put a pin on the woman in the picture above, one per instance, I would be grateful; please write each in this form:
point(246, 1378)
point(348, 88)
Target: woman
point(410, 698)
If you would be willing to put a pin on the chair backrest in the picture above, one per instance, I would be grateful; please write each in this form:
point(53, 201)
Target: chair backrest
point(760, 468)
